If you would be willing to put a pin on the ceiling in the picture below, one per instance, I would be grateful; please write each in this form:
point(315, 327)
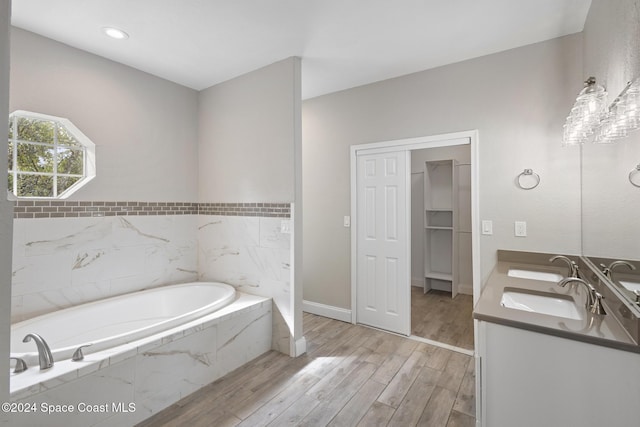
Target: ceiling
point(342, 43)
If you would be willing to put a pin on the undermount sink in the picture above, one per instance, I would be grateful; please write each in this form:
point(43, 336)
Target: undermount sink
point(546, 276)
point(542, 303)
point(632, 286)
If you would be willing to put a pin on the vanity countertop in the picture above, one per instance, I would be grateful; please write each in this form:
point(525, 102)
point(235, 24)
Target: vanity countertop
point(593, 328)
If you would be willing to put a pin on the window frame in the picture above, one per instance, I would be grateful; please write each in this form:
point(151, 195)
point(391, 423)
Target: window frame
point(87, 147)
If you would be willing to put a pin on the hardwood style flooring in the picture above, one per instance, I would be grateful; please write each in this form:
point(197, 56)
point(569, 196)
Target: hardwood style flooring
point(438, 317)
point(350, 376)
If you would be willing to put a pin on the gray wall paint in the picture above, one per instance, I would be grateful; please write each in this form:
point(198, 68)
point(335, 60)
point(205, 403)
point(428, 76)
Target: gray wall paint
point(246, 137)
point(610, 202)
point(144, 127)
point(249, 151)
point(518, 101)
point(6, 208)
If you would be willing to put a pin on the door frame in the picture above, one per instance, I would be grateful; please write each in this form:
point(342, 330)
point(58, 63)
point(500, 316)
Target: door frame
point(409, 144)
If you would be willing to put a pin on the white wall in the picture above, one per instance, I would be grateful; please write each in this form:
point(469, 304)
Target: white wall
point(144, 127)
point(247, 135)
point(518, 101)
point(610, 203)
point(6, 208)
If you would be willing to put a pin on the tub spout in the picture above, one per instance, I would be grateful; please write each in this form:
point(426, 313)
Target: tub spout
point(44, 352)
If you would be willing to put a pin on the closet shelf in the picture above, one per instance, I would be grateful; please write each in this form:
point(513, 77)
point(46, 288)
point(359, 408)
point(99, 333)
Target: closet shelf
point(438, 276)
point(440, 225)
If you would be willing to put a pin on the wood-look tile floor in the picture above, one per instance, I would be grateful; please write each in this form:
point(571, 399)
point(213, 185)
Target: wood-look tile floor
point(350, 376)
point(438, 317)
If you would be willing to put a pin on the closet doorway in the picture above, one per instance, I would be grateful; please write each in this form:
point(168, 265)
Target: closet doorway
point(369, 285)
point(441, 246)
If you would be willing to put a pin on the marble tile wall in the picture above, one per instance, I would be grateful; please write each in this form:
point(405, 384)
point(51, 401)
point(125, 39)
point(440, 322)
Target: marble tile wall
point(253, 255)
point(60, 262)
point(68, 253)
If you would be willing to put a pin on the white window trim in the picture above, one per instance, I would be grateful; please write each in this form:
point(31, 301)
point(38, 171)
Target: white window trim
point(89, 161)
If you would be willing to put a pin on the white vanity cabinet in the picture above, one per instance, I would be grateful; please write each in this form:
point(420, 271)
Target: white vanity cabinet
point(530, 379)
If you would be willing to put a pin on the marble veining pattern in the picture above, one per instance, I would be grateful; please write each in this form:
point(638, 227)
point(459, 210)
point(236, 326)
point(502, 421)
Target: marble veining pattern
point(153, 372)
point(251, 254)
point(58, 263)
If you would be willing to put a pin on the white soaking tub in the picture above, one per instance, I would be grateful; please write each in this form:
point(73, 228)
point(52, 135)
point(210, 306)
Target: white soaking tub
point(119, 320)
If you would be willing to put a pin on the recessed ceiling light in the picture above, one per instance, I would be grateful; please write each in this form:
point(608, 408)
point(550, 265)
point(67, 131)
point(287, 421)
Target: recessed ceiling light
point(115, 33)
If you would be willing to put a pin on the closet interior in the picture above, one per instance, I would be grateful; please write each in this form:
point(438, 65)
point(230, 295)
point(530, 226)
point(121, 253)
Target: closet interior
point(441, 297)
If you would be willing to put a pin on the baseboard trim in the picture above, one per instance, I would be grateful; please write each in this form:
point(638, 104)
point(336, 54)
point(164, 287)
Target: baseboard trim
point(465, 289)
point(330, 311)
point(298, 347)
point(419, 283)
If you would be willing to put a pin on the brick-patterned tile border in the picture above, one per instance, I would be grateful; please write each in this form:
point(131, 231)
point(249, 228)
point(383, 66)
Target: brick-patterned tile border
point(279, 210)
point(27, 209)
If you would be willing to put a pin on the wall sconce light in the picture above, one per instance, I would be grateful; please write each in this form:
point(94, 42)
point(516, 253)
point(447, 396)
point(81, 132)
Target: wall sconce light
point(623, 115)
point(589, 114)
point(586, 113)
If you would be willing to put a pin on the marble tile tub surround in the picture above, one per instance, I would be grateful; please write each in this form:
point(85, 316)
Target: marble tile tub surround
point(603, 330)
point(253, 255)
point(69, 252)
point(152, 373)
point(60, 262)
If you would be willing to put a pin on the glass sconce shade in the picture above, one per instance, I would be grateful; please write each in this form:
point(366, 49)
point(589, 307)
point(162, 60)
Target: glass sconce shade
point(623, 115)
point(586, 113)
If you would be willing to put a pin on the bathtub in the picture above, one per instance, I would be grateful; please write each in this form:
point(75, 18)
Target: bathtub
point(119, 320)
point(149, 373)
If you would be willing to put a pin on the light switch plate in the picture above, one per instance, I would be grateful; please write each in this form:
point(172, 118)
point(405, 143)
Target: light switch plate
point(487, 227)
point(520, 229)
point(347, 221)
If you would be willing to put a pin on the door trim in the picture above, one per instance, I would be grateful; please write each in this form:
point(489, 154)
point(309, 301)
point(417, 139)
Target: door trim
point(433, 141)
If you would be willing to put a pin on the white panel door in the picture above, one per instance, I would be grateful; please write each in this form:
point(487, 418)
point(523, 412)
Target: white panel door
point(383, 293)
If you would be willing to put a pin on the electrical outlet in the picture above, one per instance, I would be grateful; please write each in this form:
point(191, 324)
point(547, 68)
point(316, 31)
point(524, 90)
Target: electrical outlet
point(520, 229)
point(285, 226)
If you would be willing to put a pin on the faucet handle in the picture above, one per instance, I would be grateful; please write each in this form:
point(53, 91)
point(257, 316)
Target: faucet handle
point(78, 355)
point(21, 366)
point(597, 307)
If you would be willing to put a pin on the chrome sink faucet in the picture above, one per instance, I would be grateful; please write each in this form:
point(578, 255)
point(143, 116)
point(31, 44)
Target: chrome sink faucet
point(594, 298)
point(608, 271)
point(573, 267)
point(44, 352)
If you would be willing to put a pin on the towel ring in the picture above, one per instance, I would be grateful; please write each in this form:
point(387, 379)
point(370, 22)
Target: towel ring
point(528, 172)
point(633, 173)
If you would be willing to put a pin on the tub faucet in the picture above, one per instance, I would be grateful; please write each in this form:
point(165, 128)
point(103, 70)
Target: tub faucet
point(594, 298)
point(608, 271)
point(44, 352)
point(21, 366)
point(573, 267)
